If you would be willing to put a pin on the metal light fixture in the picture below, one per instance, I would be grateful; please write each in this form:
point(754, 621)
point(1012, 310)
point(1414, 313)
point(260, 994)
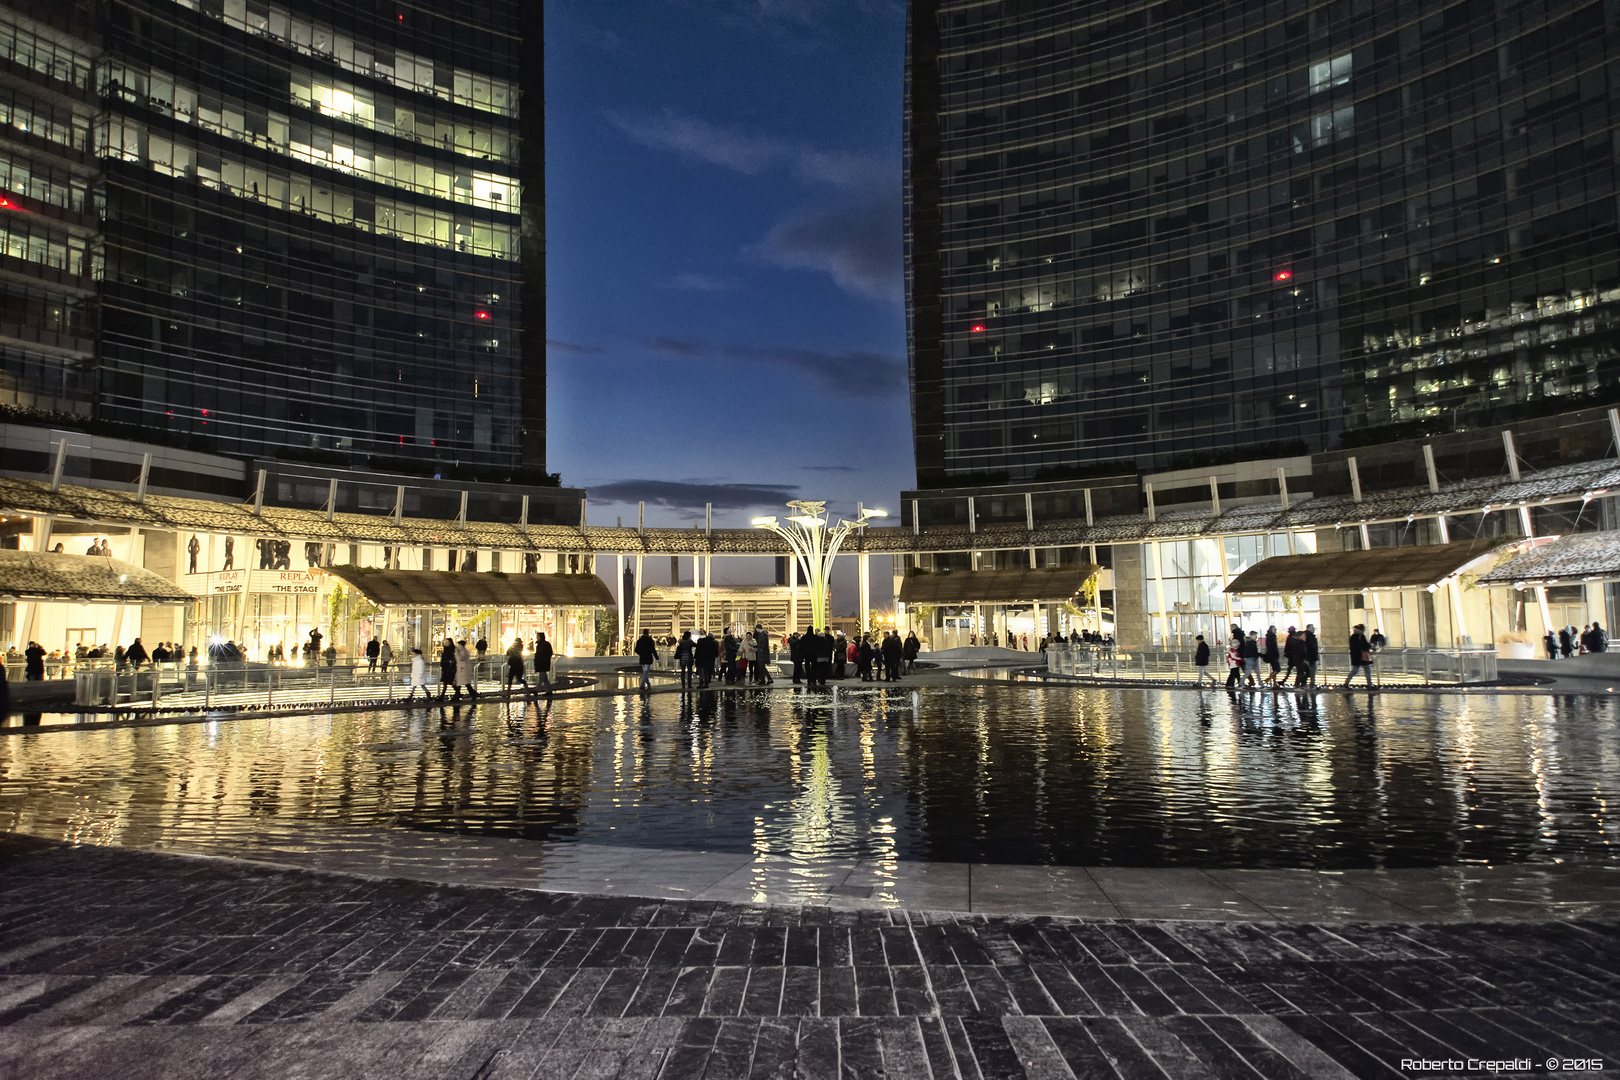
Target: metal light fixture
point(815, 544)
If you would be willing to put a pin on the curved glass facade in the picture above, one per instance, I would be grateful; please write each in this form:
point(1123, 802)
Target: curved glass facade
point(1165, 234)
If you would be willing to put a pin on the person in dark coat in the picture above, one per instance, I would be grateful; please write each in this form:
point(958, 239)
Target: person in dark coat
point(1313, 656)
point(909, 652)
point(891, 656)
point(373, 650)
point(1201, 661)
point(1294, 654)
point(708, 651)
point(136, 654)
point(514, 665)
point(1360, 655)
point(1272, 655)
point(796, 654)
point(863, 658)
point(1550, 643)
point(34, 663)
point(762, 654)
point(646, 653)
point(543, 654)
point(5, 695)
point(447, 668)
point(686, 658)
point(1566, 646)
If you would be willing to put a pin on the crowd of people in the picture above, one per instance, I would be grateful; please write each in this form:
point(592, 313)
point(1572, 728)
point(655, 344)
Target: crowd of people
point(1247, 651)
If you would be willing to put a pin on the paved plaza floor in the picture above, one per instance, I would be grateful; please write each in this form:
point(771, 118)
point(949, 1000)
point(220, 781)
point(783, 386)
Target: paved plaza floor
point(127, 964)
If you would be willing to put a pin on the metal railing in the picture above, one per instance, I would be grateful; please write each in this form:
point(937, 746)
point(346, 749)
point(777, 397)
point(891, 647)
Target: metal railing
point(1437, 667)
point(238, 684)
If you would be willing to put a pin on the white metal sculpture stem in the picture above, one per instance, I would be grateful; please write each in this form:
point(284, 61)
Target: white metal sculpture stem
point(815, 545)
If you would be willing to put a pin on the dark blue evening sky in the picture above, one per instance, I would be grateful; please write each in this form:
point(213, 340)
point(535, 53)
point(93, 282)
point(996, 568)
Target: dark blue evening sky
point(724, 263)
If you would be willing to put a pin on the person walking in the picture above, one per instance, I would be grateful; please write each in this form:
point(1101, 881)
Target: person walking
point(1600, 640)
point(646, 653)
point(1313, 656)
point(912, 648)
point(1360, 655)
point(1273, 655)
point(373, 651)
point(729, 651)
point(464, 671)
point(543, 655)
point(1294, 655)
point(745, 647)
point(1566, 647)
point(136, 654)
point(418, 676)
point(1201, 661)
point(385, 656)
point(514, 666)
point(686, 658)
point(1250, 651)
point(796, 655)
point(1234, 660)
point(34, 663)
point(447, 668)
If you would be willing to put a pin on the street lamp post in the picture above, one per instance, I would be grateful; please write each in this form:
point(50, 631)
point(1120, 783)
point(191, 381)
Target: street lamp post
point(815, 545)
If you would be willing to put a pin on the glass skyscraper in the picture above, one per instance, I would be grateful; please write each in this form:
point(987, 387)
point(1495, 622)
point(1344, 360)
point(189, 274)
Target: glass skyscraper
point(292, 228)
point(1155, 236)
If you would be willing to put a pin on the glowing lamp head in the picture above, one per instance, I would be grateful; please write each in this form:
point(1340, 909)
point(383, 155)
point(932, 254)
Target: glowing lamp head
point(764, 522)
point(1282, 275)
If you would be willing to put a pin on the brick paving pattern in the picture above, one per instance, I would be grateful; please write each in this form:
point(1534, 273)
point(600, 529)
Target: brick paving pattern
point(129, 965)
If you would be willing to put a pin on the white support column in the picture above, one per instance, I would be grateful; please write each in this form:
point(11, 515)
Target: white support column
point(146, 475)
point(1445, 530)
point(1158, 585)
point(635, 598)
point(1428, 465)
point(864, 577)
point(61, 463)
point(258, 494)
point(793, 590)
point(1096, 595)
point(708, 595)
point(1220, 546)
point(1366, 545)
point(1087, 493)
point(916, 517)
point(331, 500)
point(1029, 511)
point(1512, 454)
point(1152, 511)
point(618, 586)
point(1355, 480)
point(1214, 497)
point(973, 521)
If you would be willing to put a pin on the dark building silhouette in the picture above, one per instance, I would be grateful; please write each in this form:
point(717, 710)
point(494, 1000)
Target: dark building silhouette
point(1155, 236)
point(281, 228)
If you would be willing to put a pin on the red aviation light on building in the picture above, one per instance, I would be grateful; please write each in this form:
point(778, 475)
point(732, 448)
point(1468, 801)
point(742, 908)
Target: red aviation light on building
point(977, 328)
point(1282, 275)
point(481, 314)
point(9, 205)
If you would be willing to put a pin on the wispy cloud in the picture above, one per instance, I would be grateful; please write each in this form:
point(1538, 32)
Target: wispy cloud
point(689, 281)
point(691, 496)
point(699, 140)
point(571, 347)
point(857, 373)
point(829, 468)
point(858, 246)
point(674, 346)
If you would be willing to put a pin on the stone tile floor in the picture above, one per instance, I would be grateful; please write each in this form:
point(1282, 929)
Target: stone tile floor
point(117, 963)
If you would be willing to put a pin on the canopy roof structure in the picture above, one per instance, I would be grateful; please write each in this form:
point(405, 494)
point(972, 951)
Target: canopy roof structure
point(85, 579)
point(1349, 572)
point(443, 588)
point(1566, 560)
point(113, 508)
point(995, 586)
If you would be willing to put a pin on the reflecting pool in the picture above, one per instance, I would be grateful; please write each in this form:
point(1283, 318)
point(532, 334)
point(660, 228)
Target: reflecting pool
point(1094, 776)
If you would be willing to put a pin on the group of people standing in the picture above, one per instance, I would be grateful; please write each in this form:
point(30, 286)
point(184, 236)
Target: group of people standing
point(1591, 638)
point(742, 657)
point(820, 656)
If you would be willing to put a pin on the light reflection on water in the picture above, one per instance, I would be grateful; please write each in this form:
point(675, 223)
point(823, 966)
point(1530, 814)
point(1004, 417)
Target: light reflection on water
point(1120, 776)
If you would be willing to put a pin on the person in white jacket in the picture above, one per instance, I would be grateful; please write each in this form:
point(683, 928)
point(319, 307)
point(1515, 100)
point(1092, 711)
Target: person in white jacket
point(418, 675)
point(464, 671)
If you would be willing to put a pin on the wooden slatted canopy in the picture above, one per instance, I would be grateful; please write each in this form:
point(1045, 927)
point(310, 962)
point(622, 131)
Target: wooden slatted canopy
point(1054, 584)
point(1350, 572)
point(84, 579)
point(444, 588)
